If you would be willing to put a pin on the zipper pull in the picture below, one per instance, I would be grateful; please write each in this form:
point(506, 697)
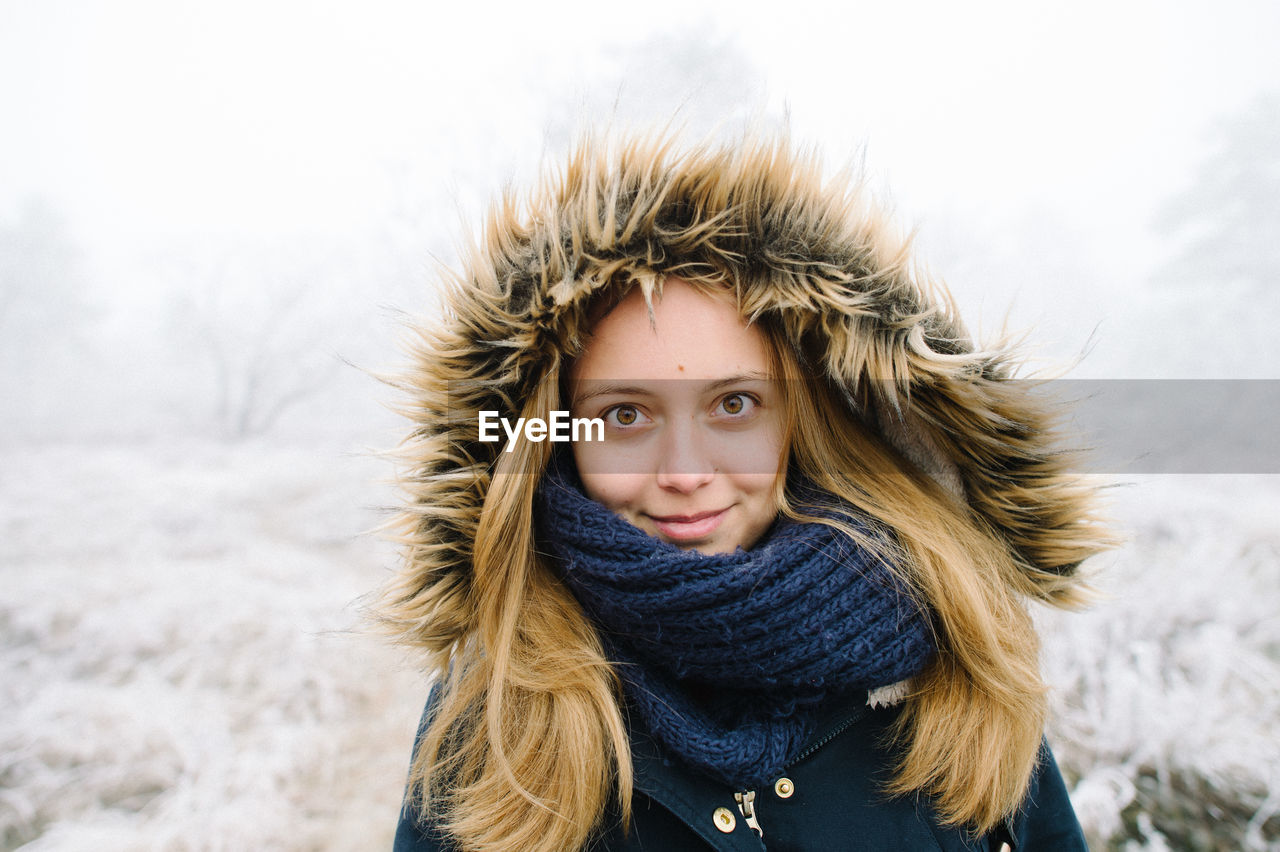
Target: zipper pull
point(747, 805)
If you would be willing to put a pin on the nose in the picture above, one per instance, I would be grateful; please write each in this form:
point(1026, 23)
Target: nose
point(686, 465)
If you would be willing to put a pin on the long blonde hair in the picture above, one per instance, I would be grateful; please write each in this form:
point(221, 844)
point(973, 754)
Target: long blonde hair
point(527, 747)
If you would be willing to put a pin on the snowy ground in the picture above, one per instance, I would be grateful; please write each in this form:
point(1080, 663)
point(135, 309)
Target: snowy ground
point(178, 664)
point(180, 667)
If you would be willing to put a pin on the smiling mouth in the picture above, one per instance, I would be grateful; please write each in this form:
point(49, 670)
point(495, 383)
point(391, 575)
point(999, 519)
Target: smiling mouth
point(688, 527)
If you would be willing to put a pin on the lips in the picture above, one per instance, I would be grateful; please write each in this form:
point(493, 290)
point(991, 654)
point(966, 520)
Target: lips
point(678, 528)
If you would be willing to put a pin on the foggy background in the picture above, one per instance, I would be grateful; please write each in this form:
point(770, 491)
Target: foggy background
point(213, 218)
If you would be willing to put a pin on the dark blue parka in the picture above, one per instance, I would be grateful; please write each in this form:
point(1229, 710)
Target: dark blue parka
point(828, 800)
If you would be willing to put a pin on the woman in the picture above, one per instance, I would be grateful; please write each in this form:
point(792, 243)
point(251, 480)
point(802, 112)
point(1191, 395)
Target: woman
point(774, 595)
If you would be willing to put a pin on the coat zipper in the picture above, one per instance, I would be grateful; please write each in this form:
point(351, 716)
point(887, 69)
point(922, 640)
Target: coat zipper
point(747, 806)
point(747, 799)
point(840, 729)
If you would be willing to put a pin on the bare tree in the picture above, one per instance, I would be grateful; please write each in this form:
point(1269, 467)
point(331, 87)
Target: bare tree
point(266, 326)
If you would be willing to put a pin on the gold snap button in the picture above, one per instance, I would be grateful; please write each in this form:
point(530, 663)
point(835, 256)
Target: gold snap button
point(784, 788)
point(724, 819)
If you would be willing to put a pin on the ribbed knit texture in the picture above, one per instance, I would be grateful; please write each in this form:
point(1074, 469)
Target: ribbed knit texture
point(726, 657)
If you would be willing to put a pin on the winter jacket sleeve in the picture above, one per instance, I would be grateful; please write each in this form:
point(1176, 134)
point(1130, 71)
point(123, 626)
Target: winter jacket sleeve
point(415, 832)
point(1048, 821)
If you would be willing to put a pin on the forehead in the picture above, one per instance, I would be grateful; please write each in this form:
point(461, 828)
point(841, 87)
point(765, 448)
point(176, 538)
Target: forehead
point(689, 334)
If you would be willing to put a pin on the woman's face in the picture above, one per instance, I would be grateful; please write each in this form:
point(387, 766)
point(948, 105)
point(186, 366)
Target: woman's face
point(693, 420)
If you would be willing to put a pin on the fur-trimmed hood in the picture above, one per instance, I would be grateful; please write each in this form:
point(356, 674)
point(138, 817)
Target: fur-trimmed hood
point(814, 256)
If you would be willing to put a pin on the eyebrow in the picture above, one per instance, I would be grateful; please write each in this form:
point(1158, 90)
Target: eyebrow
point(610, 390)
point(753, 376)
point(640, 390)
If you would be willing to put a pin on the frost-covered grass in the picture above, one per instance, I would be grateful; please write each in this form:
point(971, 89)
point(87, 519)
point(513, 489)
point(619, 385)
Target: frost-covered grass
point(179, 669)
point(177, 662)
point(1167, 702)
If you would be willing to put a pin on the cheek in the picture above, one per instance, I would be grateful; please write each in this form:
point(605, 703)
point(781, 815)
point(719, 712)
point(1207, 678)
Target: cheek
point(754, 473)
point(616, 457)
point(600, 480)
point(758, 502)
point(753, 456)
point(756, 485)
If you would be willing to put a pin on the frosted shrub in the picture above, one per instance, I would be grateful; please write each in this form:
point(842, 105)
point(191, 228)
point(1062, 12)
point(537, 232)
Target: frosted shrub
point(1168, 691)
point(176, 659)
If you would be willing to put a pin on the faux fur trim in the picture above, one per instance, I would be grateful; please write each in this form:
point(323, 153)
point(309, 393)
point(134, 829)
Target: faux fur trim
point(816, 256)
point(889, 695)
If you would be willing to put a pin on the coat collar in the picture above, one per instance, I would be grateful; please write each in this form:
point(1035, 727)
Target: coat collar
point(693, 797)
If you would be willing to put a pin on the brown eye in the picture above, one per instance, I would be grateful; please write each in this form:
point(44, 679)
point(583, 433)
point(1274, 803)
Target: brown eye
point(736, 404)
point(624, 416)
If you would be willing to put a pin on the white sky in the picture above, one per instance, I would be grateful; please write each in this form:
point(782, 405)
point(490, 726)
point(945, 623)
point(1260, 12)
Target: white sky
point(142, 120)
point(182, 114)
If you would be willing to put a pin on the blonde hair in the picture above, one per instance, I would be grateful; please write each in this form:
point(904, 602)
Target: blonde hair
point(526, 747)
point(970, 730)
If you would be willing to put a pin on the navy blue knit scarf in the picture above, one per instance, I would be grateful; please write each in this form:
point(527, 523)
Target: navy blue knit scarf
point(726, 657)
